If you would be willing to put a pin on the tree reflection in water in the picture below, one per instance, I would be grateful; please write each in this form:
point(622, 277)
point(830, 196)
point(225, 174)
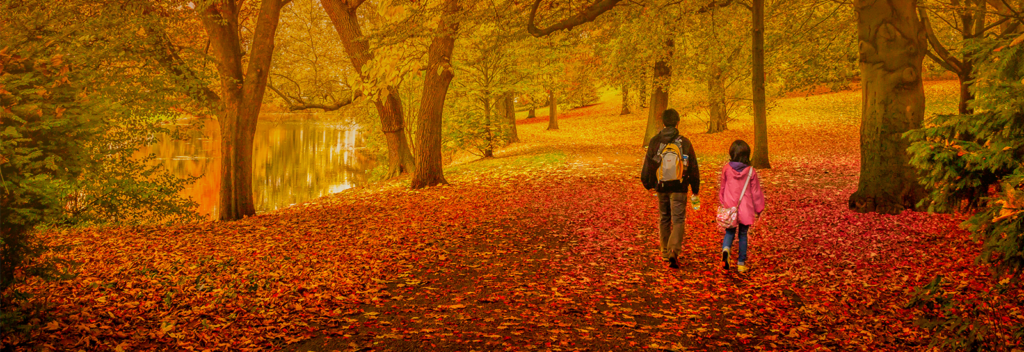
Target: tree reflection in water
point(293, 161)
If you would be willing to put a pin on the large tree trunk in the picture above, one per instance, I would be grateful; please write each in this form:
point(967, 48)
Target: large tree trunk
point(429, 171)
point(510, 115)
point(532, 113)
point(718, 110)
point(625, 100)
point(759, 156)
point(242, 96)
point(552, 110)
point(892, 48)
point(392, 118)
point(659, 100)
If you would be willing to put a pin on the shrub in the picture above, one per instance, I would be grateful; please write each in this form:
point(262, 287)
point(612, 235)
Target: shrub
point(974, 162)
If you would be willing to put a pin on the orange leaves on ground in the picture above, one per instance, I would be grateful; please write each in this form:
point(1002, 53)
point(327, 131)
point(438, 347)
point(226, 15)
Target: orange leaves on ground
point(526, 256)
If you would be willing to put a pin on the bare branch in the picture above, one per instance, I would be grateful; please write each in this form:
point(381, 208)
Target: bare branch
point(940, 61)
point(714, 4)
point(354, 4)
point(297, 104)
point(587, 15)
point(996, 24)
point(172, 62)
point(951, 62)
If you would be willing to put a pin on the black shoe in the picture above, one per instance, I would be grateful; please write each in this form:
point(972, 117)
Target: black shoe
point(725, 259)
point(673, 263)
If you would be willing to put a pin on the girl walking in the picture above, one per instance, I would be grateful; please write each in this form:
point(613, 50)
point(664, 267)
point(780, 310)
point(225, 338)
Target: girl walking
point(734, 183)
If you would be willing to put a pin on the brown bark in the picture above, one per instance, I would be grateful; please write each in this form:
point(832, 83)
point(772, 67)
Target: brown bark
point(759, 156)
point(552, 111)
point(392, 118)
point(587, 15)
point(966, 96)
point(242, 96)
point(718, 112)
point(532, 113)
point(509, 113)
point(489, 145)
point(659, 100)
point(973, 26)
point(892, 49)
point(439, 75)
point(625, 100)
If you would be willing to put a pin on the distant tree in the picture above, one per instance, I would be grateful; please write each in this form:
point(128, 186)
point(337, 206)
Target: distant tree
point(968, 21)
point(662, 80)
point(507, 109)
point(343, 15)
point(552, 110)
point(309, 71)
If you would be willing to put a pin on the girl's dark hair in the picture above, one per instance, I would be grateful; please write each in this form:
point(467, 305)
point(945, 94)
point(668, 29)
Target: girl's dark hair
point(740, 151)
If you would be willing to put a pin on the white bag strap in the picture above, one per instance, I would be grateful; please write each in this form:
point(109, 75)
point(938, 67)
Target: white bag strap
point(744, 191)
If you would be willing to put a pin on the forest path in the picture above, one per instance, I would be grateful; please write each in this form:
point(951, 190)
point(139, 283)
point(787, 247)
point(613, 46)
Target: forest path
point(551, 245)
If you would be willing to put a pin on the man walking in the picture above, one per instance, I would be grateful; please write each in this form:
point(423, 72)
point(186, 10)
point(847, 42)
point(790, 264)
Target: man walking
point(669, 167)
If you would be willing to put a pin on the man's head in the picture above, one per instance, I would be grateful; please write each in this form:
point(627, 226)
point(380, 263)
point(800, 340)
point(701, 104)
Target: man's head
point(670, 117)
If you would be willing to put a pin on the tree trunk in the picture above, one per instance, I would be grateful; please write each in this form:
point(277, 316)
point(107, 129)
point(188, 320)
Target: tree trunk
point(552, 110)
point(759, 156)
point(973, 27)
point(393, 125)
point(659, 100)
point(392, 118)
point(429, 171)
point(510, 116)
point(625, 100)
point(718, 111)
point(965, 90)
point(242, 96)
point(892, 48)
point(489, 144)
point(642, 97)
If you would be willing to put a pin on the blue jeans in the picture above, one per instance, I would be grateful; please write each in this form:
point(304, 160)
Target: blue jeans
point(727, 241)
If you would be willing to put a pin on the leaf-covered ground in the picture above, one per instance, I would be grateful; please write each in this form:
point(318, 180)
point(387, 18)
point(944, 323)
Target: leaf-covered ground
point(549, 246)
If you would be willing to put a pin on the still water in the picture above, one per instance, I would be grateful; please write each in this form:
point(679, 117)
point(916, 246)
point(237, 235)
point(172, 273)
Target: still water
point(293, 161)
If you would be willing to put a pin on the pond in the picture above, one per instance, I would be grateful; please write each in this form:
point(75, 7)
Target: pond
point(293, 161)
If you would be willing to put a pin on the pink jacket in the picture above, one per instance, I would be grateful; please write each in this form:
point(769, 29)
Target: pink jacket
point(731, 186)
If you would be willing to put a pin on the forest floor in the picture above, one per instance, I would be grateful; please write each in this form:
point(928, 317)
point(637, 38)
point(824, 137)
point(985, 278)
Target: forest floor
point(550, 245)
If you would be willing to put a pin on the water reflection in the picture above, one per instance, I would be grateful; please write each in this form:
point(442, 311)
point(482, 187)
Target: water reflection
point(293, 161)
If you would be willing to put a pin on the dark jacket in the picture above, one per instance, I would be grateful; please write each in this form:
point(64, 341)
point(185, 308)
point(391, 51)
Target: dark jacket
point(649, 176)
